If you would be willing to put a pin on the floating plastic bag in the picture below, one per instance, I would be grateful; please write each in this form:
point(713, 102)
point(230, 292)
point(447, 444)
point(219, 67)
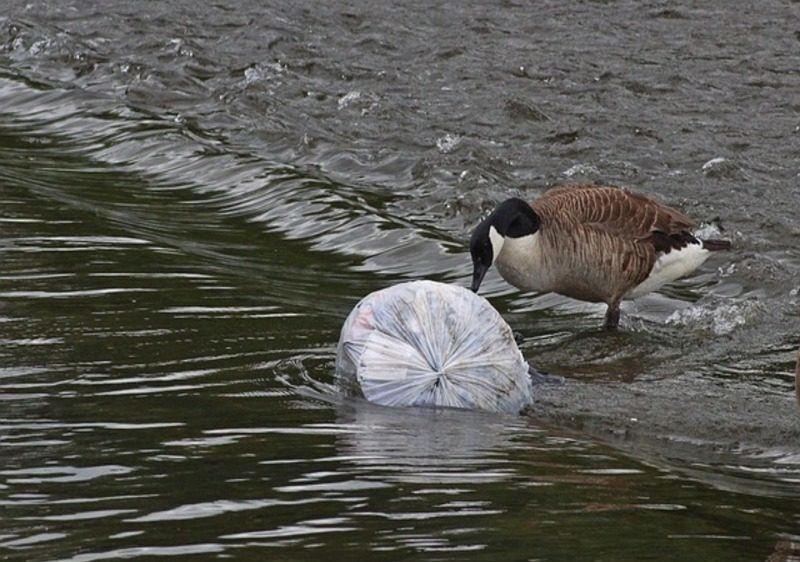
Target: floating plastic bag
point(430, 344)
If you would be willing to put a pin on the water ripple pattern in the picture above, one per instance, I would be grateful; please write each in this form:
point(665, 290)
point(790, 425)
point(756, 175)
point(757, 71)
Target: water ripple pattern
point(194, 195)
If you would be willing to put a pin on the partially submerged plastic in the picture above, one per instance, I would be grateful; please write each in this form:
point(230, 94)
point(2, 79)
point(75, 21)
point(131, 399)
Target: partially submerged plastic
point(424, 343)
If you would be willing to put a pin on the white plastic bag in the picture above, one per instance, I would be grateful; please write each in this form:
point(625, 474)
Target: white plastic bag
point(430, 344)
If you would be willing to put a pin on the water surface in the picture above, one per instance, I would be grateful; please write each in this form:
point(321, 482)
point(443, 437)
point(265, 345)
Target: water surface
point(193, 197)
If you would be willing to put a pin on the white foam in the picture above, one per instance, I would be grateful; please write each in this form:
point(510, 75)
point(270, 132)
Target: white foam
point(448, 143)
point(349, 98)
point(581, 170)
point(719, 318)
point(707, 232)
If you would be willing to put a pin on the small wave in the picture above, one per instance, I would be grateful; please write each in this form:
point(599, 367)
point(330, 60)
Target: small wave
point(721, 168)
point(61, 474)
point(208, 509)
point(296, 377)
point(713, 163)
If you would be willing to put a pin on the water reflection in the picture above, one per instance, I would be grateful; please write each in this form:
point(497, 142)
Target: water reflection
point(427, 446)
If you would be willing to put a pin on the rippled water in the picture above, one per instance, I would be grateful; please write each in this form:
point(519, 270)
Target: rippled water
point(193, 196)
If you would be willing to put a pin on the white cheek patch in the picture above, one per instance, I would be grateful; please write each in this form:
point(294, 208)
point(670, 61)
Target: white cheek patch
point(497, 241)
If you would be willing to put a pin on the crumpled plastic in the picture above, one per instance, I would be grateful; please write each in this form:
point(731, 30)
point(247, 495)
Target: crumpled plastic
point(424, 343)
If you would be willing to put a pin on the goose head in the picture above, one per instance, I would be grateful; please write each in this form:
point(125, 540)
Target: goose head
point(513, 218)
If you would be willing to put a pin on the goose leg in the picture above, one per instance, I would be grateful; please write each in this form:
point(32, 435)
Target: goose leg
point(612, 316)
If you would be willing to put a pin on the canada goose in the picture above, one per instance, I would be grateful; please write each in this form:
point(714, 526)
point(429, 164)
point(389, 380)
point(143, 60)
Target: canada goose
point(588, 242)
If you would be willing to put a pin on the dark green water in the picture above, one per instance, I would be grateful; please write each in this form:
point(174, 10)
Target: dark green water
point(193, 197)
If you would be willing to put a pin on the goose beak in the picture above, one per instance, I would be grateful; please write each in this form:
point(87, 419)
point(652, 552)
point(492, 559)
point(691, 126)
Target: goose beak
point(478, 272)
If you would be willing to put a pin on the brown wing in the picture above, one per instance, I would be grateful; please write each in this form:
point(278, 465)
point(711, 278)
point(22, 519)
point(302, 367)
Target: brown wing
point(614, 210)
point(620, 232)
